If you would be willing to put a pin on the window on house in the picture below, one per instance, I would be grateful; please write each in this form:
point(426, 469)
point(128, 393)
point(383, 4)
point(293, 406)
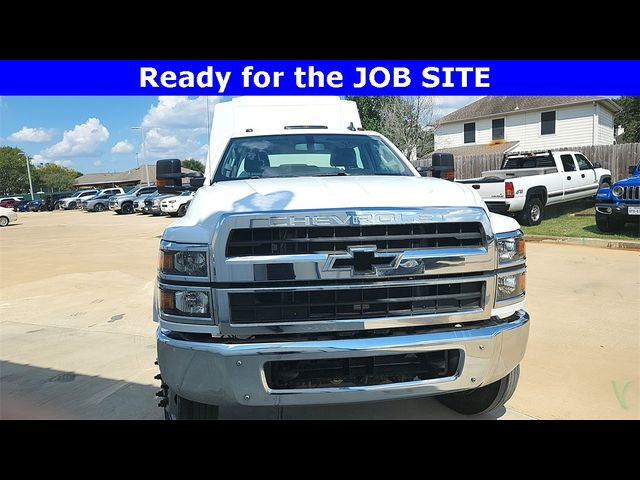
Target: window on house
point(497, 129)
point(547, 123)
point(470, 132)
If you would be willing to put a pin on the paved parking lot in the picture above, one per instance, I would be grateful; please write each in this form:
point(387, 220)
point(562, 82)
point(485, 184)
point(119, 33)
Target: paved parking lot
point(77, 340)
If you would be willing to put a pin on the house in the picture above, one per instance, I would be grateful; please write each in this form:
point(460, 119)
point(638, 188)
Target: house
point(501, 124)
point(129, 178)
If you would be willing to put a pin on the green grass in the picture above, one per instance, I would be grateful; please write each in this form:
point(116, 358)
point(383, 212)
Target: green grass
point(577, 219)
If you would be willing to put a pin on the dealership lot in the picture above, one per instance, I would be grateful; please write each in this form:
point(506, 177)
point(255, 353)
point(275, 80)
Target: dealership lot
point(77, 340)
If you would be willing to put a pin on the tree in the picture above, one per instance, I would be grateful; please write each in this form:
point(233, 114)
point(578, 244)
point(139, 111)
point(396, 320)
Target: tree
point(370, 109)
point(13, 171)
point(629, 118)
point(57, 178)
point(408, 122)
point(192, 164)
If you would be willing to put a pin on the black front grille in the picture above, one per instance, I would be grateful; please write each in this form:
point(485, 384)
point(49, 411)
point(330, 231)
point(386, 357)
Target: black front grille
point(361, 371)
point(631, 193)
point(354, 303)
point(300, 240)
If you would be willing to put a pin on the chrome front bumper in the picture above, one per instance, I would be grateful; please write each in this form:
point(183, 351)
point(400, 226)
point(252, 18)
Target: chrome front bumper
point(233, 374)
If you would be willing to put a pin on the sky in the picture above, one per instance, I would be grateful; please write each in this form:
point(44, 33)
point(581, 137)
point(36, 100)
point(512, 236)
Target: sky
point(94, 134)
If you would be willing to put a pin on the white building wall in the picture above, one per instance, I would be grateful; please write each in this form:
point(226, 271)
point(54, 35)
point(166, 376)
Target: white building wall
point(574, 127)
point(605, 127)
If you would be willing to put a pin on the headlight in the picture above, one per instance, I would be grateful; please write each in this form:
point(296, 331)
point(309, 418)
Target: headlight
point(192, 303)
point(511, 286)
point(183, 261)
point(511, 249)
point(618, 191)
point(156, 202)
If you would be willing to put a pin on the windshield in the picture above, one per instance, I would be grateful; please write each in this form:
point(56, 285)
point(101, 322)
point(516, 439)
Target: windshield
point(310, 155)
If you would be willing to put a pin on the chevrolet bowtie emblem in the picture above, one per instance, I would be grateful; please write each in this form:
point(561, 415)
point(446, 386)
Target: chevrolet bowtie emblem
point(363, 260)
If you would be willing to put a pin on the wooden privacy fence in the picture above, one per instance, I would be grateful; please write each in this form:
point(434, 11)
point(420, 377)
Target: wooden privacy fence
point(616, 158)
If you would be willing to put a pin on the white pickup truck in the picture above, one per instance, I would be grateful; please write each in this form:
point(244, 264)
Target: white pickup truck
point(529, 181)
point(315, 266)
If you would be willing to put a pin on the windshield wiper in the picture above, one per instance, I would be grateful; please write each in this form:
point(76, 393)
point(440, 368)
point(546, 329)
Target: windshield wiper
point(335, 174)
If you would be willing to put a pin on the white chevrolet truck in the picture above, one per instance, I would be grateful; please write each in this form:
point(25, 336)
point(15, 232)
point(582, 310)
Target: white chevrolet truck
point(529, 181)
point(316, 266)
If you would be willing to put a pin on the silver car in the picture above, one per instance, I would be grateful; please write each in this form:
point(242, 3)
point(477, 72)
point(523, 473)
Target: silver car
point(99, 203)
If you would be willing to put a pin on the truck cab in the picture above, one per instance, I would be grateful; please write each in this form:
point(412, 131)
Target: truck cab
point(316, 266)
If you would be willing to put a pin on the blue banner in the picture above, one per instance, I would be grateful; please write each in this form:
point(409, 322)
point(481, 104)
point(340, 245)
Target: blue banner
point(322, 77)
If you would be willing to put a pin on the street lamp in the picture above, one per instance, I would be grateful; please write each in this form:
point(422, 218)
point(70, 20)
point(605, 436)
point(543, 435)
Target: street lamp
point(142, 151)
point(29, 174)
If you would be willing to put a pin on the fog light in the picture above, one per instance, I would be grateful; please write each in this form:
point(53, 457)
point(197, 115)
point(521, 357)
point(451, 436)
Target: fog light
point(510, 286)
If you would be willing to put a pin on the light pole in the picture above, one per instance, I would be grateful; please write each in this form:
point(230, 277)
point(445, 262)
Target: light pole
point(142, 151)
point(26, 157)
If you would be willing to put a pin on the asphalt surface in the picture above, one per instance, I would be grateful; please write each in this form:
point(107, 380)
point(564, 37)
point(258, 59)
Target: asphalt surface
point(77, 340)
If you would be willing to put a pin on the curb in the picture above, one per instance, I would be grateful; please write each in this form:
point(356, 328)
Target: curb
point(589, 242)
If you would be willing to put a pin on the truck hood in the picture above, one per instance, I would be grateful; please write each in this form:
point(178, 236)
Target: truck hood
point(313, 193)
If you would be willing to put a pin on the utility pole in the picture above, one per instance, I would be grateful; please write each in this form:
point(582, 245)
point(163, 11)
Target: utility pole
point(142, 151)
point(29, 174)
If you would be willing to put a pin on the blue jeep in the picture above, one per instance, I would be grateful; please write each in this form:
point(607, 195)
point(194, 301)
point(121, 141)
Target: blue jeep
point(619, 203)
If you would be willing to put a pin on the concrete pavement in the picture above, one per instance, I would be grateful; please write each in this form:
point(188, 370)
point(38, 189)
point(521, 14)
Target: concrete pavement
point(77, 340)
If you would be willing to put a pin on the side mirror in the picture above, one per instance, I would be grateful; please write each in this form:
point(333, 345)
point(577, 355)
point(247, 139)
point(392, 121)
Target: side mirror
point(423, 171)
point(632, 168)
point(597, 165)
point(169, 177)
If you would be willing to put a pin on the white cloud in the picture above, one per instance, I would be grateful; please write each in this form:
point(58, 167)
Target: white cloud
point(28, 134)
point(64, 163)
point(122, 146)
point(85, 139)
point(176, 127)
point(97, 163)
point(38, 159)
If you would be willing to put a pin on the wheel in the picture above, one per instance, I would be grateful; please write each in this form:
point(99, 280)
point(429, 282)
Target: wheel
point(179, 408)
point(532, 212)
point(483, 399)
point(4, 221)
point(608, 223)
point(99, 207)
point(72, 205)
point(182, 211)
point(127, 208)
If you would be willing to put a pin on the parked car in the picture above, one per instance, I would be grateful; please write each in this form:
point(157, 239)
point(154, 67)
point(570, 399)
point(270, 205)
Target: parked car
point(7, 215)
point(138, 205)
point(111, 191)
point(17, 199)
point(8, 202)
point(156, 204)
point(176, 206)
point(98, 203)
point(123, 203)
point(619, 203)
point(529, 181)
point(148, 202)
point(21, 206)
point(75, 200)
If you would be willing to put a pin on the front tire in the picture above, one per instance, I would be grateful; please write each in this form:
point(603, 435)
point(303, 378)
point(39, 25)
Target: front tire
point(532, 213)
point(72, 206)
point(179, 408)
point(127, 208)
point(608, 223)
point(99, 207)
point(483, 399)
point(182, 211)
point(4, 221)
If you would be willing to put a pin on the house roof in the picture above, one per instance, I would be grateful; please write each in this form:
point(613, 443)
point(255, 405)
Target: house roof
point(486, 149)
point(491, 106)
point(133, 176)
